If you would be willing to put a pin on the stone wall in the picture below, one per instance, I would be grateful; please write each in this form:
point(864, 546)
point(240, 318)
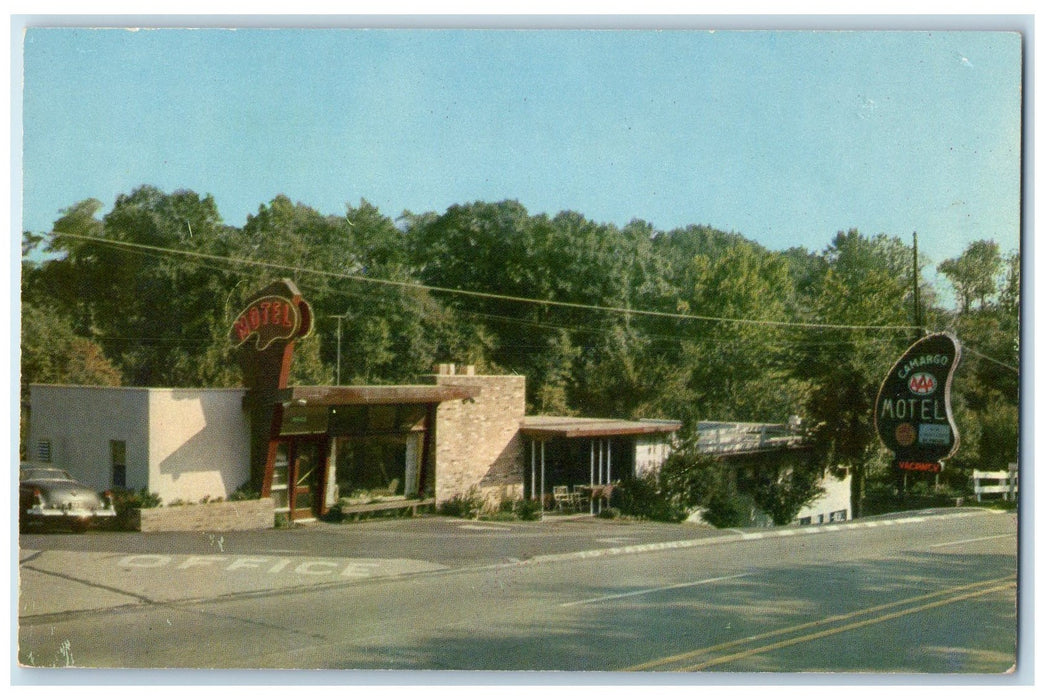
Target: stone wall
point(224, 516)
point(477, 441)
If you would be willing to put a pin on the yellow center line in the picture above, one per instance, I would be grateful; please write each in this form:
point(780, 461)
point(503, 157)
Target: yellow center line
point(845, 628)
point(670, 660)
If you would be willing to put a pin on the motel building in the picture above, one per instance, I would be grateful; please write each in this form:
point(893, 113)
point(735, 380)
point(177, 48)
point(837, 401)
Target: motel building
point(309, 448)
point(458, 434)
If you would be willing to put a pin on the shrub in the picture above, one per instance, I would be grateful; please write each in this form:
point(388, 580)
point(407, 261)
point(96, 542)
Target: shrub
point(643, 497)
point(725, 508)
point(528, 509)
point(126, 501)
point(466, 505)
point(335, 514)
point(246, 492)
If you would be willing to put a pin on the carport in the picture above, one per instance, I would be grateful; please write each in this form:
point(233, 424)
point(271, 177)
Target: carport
point(576, 461)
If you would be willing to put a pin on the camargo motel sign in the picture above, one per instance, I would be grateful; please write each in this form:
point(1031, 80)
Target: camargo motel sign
point(913, 411)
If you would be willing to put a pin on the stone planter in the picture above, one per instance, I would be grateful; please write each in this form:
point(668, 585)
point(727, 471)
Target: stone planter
point(224, 516)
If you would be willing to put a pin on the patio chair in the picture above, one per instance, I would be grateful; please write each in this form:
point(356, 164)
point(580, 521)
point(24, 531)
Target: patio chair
point(580, 493)
point(562, 497)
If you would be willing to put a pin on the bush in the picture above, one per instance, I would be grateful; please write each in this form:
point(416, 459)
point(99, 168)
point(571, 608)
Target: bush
point(726, 508)
point(246, 492)
point(527, 509)
point(126, 501)
point(643, 497)
point(468, 505)
point(510, 509)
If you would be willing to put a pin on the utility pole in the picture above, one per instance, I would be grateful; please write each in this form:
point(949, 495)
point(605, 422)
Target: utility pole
point(337, 372)
point(917, 294)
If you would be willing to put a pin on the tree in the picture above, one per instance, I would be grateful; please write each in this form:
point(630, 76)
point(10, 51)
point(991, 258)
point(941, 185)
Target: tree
point(737, 367)
point(52, 353)
point(974, 273)
point(863, 282)
point(784, 487)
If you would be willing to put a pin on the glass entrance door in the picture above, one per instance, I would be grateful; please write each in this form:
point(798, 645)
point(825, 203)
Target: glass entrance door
point(305, 493)
point(296, 477)
point(280, 472)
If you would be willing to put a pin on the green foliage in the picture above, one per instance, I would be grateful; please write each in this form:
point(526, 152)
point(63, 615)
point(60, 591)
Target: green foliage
point(126, 501)
point(643, 497)
point(526, 509)
point(782, 493)
point(974, 274)
point(246, 492)
point(726, 508)
point(98, 313)
point(467, 505)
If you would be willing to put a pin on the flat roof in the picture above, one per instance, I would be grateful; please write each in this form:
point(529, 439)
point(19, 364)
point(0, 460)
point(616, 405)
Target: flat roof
point(373, 395)
point(574, 427)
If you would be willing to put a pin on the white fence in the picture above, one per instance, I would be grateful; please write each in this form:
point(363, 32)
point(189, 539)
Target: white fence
point(1006, 483)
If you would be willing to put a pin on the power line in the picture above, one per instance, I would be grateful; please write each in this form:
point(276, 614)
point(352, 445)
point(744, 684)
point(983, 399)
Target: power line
point(990, 359)
point(477, 294)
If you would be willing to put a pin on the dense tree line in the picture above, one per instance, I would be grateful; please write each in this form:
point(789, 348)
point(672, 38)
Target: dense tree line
point(692, 323)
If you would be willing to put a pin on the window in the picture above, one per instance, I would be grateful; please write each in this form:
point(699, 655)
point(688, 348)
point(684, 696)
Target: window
point(118, 452)
point(839, 516)
point(43, 450)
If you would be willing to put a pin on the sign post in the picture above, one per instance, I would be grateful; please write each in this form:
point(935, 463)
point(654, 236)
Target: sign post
point(264, 334)
point(912, 413)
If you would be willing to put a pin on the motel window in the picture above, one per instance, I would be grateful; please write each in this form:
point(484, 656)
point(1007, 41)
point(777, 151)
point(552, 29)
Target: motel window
point(808, 520)
point(118, 453)
point(839, 516)
point(43, 450)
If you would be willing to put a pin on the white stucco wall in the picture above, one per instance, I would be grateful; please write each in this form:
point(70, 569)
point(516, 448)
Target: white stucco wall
point(836, 498)
point(650, 453)
point(199, 444)
point(183, 444)
point(80, 422)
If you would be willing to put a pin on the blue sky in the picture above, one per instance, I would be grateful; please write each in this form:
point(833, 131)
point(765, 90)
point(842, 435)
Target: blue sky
point(784, 137)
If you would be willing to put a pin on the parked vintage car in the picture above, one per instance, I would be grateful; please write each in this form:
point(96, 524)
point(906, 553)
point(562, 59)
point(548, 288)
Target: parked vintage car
point(50, 496)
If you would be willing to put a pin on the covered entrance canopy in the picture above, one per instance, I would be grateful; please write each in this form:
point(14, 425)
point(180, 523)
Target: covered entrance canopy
point(576, 461)
point(334, 442)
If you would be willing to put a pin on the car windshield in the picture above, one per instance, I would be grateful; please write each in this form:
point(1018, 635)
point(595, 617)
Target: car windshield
point(44, 474)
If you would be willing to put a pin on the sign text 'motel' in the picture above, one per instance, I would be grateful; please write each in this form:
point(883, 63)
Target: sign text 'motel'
point(267, 319)
point(913, 411)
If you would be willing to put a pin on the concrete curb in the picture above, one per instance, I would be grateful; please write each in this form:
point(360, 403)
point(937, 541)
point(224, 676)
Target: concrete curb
point(741, 536)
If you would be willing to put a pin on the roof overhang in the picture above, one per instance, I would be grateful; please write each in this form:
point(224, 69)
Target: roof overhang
point(569, 427)
point(374, 395)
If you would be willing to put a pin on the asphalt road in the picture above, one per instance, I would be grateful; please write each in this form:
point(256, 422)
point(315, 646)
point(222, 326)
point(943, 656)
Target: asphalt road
point(921, 593)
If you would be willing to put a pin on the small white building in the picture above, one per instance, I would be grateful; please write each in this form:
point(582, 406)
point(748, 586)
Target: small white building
point(186, 444)
point(833, 505)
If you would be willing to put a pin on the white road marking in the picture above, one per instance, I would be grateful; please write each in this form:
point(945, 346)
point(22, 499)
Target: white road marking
point(616, 540)
point(644, 591)
point(301, 566)
point(976, 539)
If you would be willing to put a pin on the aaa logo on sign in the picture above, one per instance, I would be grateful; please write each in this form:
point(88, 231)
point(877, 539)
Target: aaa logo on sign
point(922, 383)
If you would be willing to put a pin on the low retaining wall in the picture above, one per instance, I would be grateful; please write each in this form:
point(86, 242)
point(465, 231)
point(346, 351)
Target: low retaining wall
point(224, 516)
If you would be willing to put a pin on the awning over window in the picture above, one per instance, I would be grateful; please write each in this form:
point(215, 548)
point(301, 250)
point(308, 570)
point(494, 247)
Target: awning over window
point(374, 395)
point(547, 427)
